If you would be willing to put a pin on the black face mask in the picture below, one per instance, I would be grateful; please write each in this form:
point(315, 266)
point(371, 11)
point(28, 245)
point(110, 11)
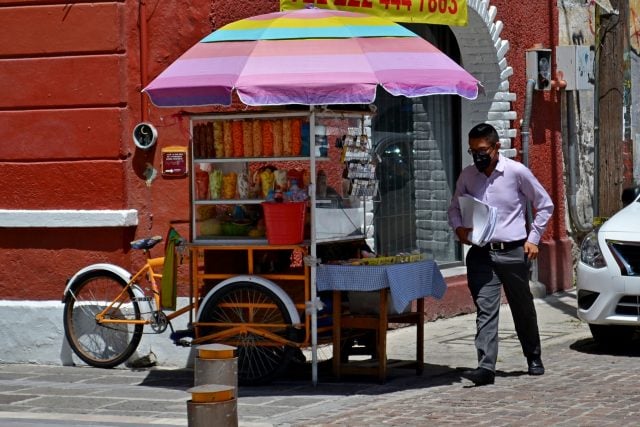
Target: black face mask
point(482, 161)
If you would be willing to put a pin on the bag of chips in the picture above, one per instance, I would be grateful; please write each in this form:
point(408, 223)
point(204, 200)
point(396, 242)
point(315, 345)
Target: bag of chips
point(257, 138)
point(215, 184)
point(202, 184)
point(296, 137)
point(267, 138)
point(280, 178)
point(266, 182)
point(236, 138)
point(243, 186)
point(218, 139)
point(229, 185)
point(277, 138)
point(247, 138)
point(286, 137)
point(228, 142)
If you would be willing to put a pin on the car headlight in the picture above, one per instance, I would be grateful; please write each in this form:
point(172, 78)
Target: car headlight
point(590, 252)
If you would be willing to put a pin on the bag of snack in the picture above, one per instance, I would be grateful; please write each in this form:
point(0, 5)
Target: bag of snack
point(266, 181)
point(257, 138)
point(277, 138)
point(218, 139)
point(202, 184)
point(286, 137)
point(247, 138)
point(296, 137)
point(280, 178)
point(215, 184)
point(229, 185)
point(243, 186)
point(236, 138)
point(267, 138)
point(228, 141)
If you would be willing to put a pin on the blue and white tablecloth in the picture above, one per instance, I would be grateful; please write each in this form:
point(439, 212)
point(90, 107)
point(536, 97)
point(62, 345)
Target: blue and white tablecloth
point(406, 282)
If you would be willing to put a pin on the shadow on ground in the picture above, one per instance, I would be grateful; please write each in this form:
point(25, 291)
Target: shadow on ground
point(590, 346)
point(556, 301)
point(177, 379)
point(298, 381)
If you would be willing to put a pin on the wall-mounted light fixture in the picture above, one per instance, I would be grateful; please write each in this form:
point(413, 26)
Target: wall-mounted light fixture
point(145, 135)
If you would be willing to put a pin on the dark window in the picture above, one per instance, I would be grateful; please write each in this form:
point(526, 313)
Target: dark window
point(418, 145)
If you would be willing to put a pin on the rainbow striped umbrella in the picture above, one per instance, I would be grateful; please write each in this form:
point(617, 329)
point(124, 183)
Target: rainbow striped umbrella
point(309, 57)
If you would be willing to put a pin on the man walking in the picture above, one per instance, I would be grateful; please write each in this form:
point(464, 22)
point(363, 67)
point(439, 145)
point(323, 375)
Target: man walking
point(506, 185)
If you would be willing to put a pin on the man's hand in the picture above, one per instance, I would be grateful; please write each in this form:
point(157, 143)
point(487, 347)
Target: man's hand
point(530, 250)
point(463, 234)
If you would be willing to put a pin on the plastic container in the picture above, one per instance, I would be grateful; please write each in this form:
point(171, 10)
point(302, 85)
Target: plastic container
point(284, 222)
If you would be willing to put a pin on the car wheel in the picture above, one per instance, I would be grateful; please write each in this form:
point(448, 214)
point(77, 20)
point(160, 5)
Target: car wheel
point(612, 335)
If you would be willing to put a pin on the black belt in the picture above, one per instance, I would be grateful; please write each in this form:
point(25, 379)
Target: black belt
point(505, 246)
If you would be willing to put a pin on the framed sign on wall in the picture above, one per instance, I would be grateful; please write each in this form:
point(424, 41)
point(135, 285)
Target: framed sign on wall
point(174, 161)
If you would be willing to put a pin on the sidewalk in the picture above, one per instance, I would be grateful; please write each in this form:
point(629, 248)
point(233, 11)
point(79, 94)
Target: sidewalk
point(449, 348)
point(36, 395)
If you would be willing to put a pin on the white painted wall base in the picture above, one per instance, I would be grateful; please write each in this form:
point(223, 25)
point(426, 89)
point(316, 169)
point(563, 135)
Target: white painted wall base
point(33, 332)
point(57, 218)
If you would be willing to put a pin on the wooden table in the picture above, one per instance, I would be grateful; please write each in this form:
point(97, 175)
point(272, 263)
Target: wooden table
point(404, 283)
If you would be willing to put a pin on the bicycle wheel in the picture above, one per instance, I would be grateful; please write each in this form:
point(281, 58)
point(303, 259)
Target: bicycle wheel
point(242, 305)
point(103, 345)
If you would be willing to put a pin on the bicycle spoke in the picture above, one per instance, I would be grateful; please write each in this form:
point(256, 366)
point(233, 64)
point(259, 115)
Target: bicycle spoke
point(259, 359)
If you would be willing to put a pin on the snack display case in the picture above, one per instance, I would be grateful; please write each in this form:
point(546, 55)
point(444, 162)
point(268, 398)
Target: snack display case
point(267, 189)
point(240, 161)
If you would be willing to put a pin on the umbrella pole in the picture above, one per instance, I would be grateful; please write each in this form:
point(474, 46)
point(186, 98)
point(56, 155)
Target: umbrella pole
point(312, 197)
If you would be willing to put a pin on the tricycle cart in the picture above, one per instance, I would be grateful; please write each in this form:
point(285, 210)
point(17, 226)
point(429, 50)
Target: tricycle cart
point(252, 271)
point(311, 57)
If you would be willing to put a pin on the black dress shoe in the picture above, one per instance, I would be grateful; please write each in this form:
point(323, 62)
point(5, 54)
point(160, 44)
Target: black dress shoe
point(479, 376)
point(535, 366)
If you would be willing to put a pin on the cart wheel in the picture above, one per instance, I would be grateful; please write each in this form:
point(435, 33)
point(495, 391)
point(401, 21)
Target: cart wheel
point(324, 349)
point(244, 305)
point(301, 362)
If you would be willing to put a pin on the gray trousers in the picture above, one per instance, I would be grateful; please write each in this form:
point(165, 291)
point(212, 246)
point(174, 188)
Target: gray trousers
point(487, 273)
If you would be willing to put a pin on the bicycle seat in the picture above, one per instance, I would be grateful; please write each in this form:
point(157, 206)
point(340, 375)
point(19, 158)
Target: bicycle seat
point(146, 243)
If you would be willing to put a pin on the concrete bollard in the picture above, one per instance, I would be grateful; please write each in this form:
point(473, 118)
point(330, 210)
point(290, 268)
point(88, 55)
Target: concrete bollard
point(214, 401)
point(212, 405)
point(216, 364)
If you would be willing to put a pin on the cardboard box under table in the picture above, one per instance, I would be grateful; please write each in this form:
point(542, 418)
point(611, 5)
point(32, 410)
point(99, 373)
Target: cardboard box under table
point(402, 284)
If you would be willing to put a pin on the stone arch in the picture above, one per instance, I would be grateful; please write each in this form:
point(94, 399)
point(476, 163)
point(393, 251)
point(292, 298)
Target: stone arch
point(483, 54)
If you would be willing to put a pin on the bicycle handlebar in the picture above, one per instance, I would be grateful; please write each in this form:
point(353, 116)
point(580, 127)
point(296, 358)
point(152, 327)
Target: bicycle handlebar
point(150, 242)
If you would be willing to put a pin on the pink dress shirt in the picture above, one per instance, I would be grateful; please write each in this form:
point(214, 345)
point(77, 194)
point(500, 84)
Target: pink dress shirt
point(507, 189)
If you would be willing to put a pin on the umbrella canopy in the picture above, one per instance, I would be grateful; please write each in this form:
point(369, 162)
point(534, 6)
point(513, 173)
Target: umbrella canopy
point(309, 57)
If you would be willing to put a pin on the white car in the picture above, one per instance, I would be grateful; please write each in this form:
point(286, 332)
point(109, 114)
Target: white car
point(608, 275)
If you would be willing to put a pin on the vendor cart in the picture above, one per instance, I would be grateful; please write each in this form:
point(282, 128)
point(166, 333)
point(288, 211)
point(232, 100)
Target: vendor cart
point(253, 273)
point(277, 60)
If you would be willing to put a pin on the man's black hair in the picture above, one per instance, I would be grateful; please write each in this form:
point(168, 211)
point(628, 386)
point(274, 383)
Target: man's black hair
point(485, 131)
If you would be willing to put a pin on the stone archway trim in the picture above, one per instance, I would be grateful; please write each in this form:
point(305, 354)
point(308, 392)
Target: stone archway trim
point(499, 112)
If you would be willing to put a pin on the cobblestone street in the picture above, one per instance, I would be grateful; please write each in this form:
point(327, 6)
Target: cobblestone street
point(583, 385)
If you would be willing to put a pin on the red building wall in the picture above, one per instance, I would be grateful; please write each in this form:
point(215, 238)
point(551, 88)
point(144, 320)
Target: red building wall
point(526, 25)
point(70, 79)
